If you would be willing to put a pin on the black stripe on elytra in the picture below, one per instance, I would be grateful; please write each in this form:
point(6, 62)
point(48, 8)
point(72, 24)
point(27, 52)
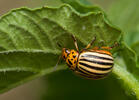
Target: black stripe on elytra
point(94, 67)
point(97, 62)
point(98, 57)
point(80, 72)
point(69, 62)
point(92, 72)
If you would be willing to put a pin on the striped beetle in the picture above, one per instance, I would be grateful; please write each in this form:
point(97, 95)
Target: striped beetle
point(93, 63)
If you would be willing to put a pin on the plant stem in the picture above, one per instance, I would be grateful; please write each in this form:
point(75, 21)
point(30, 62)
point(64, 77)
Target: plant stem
point(128, 79)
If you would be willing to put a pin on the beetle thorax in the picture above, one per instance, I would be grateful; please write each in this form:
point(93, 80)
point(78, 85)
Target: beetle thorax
point(71, 57)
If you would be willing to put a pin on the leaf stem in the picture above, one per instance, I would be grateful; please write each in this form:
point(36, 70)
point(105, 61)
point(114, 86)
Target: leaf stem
point(127, 78)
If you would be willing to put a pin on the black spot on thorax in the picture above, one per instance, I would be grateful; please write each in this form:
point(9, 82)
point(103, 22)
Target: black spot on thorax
point(69, 62)
point(74, 56)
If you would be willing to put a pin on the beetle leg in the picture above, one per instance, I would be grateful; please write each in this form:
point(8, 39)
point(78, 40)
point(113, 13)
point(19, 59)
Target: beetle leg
point(109, 48)
point(96, 48)
point(90, 44)
point(75, 42)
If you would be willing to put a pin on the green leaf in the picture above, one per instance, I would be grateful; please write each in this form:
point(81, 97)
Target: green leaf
point(28, 40)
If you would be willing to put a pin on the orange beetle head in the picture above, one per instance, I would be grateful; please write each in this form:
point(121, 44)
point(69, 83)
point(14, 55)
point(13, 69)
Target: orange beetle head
point(65, 53)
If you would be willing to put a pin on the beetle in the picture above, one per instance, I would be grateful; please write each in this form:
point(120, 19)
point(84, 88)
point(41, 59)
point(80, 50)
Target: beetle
point(93, 63)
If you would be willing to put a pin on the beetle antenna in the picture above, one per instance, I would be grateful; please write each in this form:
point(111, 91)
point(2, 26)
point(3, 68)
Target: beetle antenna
point(57, 62)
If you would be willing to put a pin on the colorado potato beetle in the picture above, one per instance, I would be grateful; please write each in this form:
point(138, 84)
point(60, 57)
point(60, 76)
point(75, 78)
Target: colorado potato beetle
point(93, 63)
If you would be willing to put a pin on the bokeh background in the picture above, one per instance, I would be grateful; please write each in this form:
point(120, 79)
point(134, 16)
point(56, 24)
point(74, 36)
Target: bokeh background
point(62, 85)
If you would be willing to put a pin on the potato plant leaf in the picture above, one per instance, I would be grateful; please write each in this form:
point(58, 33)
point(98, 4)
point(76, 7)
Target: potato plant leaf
point(28, 39)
